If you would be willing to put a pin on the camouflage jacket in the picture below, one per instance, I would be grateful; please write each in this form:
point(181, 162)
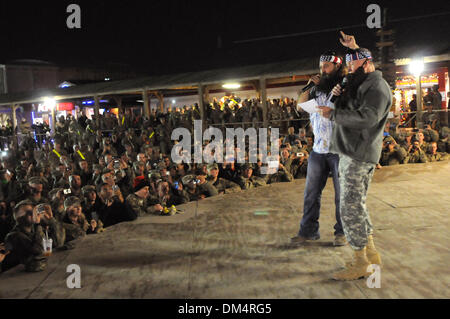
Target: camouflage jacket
point(417, 156)
point(137, 206)
point(299, 168)
point(282, 175)
point(253, 181)
point(397, 156)
point(226, 186)
point(74, 231)
point(437, 157)
point(26, 248)
point(207, 189)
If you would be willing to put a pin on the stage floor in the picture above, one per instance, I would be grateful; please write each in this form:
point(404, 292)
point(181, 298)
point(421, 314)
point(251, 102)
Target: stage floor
point(236, 246)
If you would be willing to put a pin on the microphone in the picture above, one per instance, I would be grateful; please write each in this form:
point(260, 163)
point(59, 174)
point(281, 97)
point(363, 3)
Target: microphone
point(309, 86)
point(343, 84)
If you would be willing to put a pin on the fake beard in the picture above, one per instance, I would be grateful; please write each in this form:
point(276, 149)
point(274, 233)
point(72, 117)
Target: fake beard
point(355, 79)
point(328, 82)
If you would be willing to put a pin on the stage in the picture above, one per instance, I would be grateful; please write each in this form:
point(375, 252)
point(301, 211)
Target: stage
point(236, 246)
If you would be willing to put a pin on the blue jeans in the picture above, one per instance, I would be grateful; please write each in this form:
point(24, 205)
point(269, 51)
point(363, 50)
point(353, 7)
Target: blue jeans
point(319, 168)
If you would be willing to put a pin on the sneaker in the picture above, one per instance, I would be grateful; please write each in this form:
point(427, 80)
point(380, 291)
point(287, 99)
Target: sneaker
point(339, 240)
point(299, 240)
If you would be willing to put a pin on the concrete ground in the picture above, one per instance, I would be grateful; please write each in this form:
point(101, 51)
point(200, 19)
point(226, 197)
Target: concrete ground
point(222, 249)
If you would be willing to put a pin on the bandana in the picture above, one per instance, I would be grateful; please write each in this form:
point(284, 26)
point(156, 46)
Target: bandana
point(358, 54)
point(330, 58)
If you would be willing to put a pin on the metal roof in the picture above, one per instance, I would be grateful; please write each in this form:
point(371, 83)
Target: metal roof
point(250, 72)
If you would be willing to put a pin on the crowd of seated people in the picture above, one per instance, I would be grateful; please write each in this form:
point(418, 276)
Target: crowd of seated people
point(415, 146)
point(96, 173)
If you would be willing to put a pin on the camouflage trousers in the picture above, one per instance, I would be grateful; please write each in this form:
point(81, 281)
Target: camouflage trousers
point(354, 180)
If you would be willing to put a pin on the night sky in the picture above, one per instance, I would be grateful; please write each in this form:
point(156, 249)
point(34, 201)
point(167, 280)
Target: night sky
point(169, 36)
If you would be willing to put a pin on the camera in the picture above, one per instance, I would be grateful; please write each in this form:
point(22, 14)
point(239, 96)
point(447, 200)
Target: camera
point(116, 164)
point(67, 191)
point(41, 209)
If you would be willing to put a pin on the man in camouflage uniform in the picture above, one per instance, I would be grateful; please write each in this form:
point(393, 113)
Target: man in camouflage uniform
point(417, 154)
point(203, 186)
point(435, 156)
point(392, 154)
point(51, 225)
point(163, 133)
point(74, 222)
point(136, 202)
point(222, 185)
point(360, 117)
point(35, 187)
point(56, 153)
point(247, 181)
point(282, 174)
point(421, 138)
point(89, 204)
point(190, 191)
point(25, 240)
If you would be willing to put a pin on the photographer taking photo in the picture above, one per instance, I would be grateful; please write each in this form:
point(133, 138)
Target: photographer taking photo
point(392, 153)
point(25, 241)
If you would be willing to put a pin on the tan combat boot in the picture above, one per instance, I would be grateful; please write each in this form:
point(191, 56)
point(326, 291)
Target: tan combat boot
point(372, 254)
point(357, 269)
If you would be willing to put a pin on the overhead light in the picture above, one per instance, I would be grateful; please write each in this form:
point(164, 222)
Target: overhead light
point(416, 67)
point(231, 86)
point(50, 103)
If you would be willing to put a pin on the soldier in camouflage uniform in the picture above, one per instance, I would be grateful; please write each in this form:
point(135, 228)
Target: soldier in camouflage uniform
point(136, 202)
point(190, 191)
point(56, 153)
point(203, 186)
point(25, 241)
point(247, 180)
point(360, 117)
point(75, 223)
point(222, 185)
point(392, 154)
point(435, 156)
point(417, 154)
point(89, 204)
point(163, 133)
point(282, 174)
point(51, 225)
point(35, 188)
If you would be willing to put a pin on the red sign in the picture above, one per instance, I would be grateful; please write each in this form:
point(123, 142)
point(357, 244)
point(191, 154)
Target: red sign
point(65, 106)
